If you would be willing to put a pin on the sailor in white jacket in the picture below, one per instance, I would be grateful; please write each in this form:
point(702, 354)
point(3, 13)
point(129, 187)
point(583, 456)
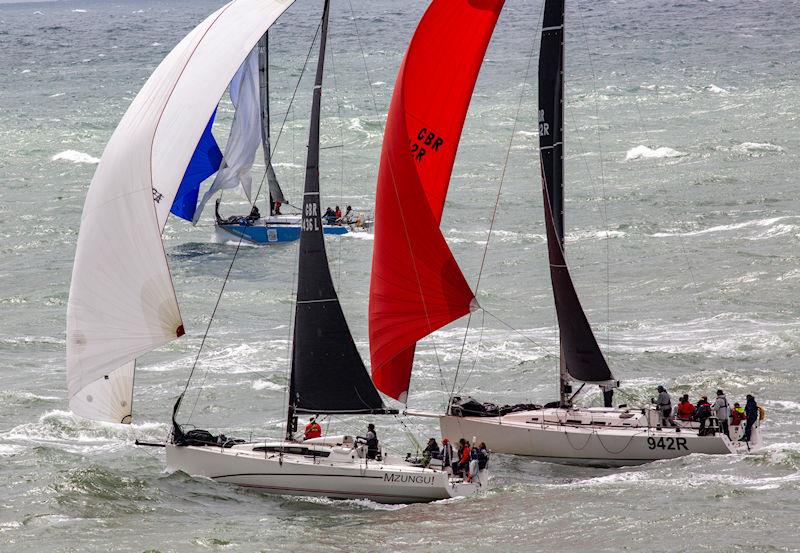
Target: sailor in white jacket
point(722, 411)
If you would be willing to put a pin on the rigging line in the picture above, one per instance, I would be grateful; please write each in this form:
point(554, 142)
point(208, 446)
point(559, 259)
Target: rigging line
point(602, 182)
point(241, 238)
point(477, 352)
point(394, 186)
point(366, 70)
point(497, 200)
point(341, 151)
point(531, 340)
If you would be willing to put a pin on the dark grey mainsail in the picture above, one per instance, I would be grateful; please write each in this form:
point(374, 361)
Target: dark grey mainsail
point(275, 192)
point(328, 375)
point(581, 358)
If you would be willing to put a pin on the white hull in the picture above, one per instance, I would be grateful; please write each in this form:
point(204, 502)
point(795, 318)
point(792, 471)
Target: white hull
point(593, 439)
point(336, 472)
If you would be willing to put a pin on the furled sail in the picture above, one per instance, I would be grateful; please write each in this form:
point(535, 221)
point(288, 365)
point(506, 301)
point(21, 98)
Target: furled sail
point(122, 303)
point(275, 192)
point(581, 355)
point(416, 285)
point(328, 375)
point(245, 136)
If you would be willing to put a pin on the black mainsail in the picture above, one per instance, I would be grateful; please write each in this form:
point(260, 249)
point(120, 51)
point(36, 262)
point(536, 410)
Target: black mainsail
point(581, 358)
point(328, 375)
point(275, 192)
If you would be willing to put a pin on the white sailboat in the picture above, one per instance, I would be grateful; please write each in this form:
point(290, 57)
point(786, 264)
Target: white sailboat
point(122, 302)
point(433, 291)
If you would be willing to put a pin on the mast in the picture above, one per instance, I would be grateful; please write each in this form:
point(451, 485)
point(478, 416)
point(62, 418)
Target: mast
point(580, 355)
point(275, 192)
point(327, 374)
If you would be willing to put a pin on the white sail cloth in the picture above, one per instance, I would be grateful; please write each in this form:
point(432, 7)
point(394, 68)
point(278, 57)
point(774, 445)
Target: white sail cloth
point(245, 136)
point(122, 302)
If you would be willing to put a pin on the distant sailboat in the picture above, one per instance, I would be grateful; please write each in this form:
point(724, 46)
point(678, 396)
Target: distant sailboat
point(254, 130)
point(417, 286)
point(122, 303)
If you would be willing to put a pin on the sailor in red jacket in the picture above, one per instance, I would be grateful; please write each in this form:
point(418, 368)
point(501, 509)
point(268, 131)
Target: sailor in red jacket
point(313, 430)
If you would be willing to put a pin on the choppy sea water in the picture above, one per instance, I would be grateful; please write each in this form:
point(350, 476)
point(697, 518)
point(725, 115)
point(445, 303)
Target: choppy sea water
point(683, 227)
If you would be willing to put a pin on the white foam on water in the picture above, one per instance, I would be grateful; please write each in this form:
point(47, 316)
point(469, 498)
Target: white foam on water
point(64, 430)
point(756, 148)
point(266, 385)
point(7, 450)
point(643, 152)
point(75, 157)
point(78, 11)
point(359, 235)
point(716, 89)
point(727, 228)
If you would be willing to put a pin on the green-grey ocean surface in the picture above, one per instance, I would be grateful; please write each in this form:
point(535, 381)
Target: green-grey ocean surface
point(686, 259)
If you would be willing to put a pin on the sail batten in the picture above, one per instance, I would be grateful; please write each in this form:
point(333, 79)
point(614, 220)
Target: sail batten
point(416, 285)
point(122, 303)
point(581, 357)
point(327, 374)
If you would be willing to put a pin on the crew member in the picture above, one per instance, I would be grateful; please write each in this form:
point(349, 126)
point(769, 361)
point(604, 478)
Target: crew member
point(313, 429)
point(751, 412)
point(372, 442)
point(722, 411)
point(685, 408)
point(608, 394)
point(664, 405)
point(737, 414)
point(255, 214)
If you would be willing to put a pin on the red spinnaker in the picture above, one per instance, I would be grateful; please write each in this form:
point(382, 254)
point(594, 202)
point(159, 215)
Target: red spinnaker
point(417, 286)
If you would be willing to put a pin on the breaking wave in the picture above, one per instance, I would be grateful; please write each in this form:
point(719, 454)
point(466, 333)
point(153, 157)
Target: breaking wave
point(643, 152)
point(75, 157)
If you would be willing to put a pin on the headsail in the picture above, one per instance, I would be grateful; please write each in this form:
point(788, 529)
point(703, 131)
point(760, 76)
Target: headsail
point(581, 355)
point(328, 375)
point(275, 192)
point(245, 136)
point(416, 285)
point(122, 303)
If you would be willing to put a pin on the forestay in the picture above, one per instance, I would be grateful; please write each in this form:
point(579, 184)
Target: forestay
point(122, 302)
point(416, 285)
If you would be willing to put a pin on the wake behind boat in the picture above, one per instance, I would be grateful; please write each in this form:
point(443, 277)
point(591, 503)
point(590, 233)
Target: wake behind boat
point(417, 286)
point(123, 304)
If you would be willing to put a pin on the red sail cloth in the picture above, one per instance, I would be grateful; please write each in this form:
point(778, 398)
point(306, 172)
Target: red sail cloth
point(417, 286)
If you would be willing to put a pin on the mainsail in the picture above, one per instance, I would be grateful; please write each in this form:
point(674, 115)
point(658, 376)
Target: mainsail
point(327, 375)
point(581, 357)
point(416, 285)
point(122, 302)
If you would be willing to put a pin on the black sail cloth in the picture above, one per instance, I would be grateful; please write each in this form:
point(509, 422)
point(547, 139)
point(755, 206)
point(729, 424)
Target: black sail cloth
point(328, 375)
point(580, 352)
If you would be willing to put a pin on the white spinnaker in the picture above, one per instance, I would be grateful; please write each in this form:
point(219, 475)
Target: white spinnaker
point(122, 303)
point(245, 136)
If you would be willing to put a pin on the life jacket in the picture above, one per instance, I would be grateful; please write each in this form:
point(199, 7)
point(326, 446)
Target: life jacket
point(465, 455)
point(737, 415)
point(313, 430)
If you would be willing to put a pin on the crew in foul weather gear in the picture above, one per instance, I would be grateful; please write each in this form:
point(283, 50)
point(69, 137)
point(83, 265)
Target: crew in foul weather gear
point(664, 405)
point(685, 408)
point(372, 442)
point(737, 414)
point(722, 411)
point(751, 412)
point(313, 430)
